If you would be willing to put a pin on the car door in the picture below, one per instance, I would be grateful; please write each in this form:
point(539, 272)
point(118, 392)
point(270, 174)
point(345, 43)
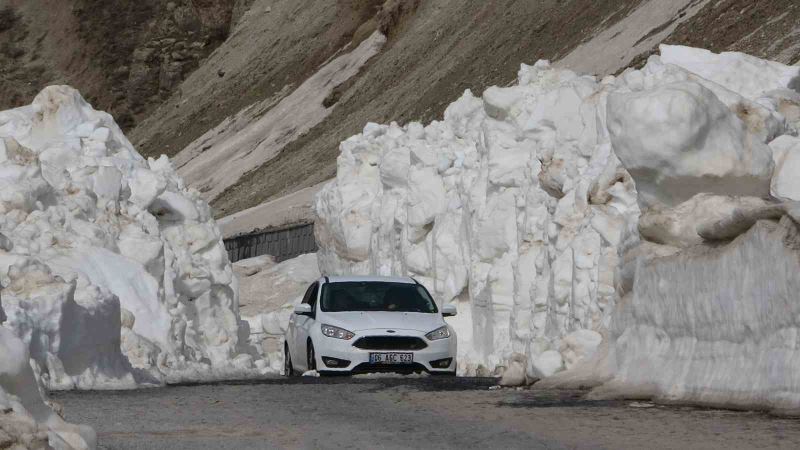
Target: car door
point(302, 327)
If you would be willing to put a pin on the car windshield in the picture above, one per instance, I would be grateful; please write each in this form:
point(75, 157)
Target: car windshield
point(376, 296)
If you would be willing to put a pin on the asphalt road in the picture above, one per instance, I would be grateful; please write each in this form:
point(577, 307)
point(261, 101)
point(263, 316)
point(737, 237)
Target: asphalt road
point(390, 413)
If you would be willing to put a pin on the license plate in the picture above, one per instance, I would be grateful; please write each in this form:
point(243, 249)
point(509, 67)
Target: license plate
point(391, 358)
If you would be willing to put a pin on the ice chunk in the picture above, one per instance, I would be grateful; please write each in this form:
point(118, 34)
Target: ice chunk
point(679, 140)
point(749, 76)
point(786, 182)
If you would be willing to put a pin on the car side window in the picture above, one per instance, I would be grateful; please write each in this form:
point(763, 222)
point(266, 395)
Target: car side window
point(310, 296)
point(313, 297)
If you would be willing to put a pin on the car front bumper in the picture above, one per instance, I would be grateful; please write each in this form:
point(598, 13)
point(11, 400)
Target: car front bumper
point(358, 360)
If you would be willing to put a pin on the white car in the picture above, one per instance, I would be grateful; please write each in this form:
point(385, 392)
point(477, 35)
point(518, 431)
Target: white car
point(369, 324)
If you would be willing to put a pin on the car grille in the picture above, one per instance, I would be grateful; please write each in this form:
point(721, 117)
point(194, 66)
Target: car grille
point(394, 368)
point(390, 343)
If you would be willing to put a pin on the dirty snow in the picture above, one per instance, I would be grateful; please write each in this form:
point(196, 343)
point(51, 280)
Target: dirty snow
point(116, 274)
point(511, 208)
point(617, 45)
point(26, 421)
point(290, 209)
point(708, 283)
point(268, 293)
point(256, 134)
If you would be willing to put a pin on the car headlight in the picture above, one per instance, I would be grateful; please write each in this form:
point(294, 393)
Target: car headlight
point(336, 332)
point(439, 333)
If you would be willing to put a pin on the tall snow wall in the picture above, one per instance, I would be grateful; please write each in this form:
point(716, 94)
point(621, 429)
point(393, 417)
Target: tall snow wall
point(115, 273)
point(709, 283)
point(714, 325)
point(26, 421)
point(520, 207)
point(512, 208)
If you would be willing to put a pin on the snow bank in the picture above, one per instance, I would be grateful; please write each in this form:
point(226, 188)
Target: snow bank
point(714, 325)
point(512, 208)
point(709, 283)
point(268, 293)
point(517, 209)
point(117, 275)
point(26, 421)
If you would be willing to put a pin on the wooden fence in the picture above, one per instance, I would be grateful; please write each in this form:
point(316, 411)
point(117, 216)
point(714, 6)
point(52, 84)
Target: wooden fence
point(283, 243)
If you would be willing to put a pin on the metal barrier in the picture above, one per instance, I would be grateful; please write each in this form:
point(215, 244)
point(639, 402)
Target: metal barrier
point(283, 243)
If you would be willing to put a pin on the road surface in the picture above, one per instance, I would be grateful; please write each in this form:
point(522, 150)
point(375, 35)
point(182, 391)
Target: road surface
point(393, 413)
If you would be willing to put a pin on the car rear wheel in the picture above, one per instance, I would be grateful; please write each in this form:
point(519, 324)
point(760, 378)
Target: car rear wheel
point(311, 362)
point(288, 368)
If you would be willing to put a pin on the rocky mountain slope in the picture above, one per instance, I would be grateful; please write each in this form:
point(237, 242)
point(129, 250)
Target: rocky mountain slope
point(173, 72)
point(125, 57)
point(435, 50)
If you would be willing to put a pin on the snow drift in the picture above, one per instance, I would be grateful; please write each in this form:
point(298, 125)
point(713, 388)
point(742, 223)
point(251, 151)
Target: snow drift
point(520, 207)
point(116, 273)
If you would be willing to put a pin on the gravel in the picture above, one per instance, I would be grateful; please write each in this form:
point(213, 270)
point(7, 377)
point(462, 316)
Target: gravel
point(389, 413)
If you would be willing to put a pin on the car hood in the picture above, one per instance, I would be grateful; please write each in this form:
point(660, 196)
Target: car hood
point(371, 320)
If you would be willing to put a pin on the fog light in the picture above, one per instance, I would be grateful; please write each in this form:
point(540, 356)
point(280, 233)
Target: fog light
point(441, 363)
point(335, 362)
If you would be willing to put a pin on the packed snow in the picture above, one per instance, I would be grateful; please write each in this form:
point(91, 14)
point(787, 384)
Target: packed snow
point(115, 275)
point(26, 421)
point(268, 293)
point(606, 227)
point(695, 330)
point(512, 208)
point(708, 283)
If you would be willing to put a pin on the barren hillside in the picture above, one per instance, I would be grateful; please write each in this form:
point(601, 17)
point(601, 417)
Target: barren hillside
point(242, 59)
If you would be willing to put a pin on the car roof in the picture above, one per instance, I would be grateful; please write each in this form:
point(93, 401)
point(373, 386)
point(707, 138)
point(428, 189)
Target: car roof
point(369, 278)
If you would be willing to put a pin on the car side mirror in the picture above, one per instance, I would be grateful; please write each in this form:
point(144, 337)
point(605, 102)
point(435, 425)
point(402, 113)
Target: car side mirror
point(303, 309)
point(449, 310)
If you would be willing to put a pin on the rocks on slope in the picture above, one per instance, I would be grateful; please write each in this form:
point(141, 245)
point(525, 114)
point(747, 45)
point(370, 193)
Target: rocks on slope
point(126, 57)
point(116, 274)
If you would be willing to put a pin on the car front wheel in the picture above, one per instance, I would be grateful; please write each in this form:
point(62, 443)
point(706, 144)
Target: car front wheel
point(312, 357)
point(288, 368)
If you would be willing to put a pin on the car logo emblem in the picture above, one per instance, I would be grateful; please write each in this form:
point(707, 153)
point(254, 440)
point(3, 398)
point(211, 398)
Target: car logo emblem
point(390, 331)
